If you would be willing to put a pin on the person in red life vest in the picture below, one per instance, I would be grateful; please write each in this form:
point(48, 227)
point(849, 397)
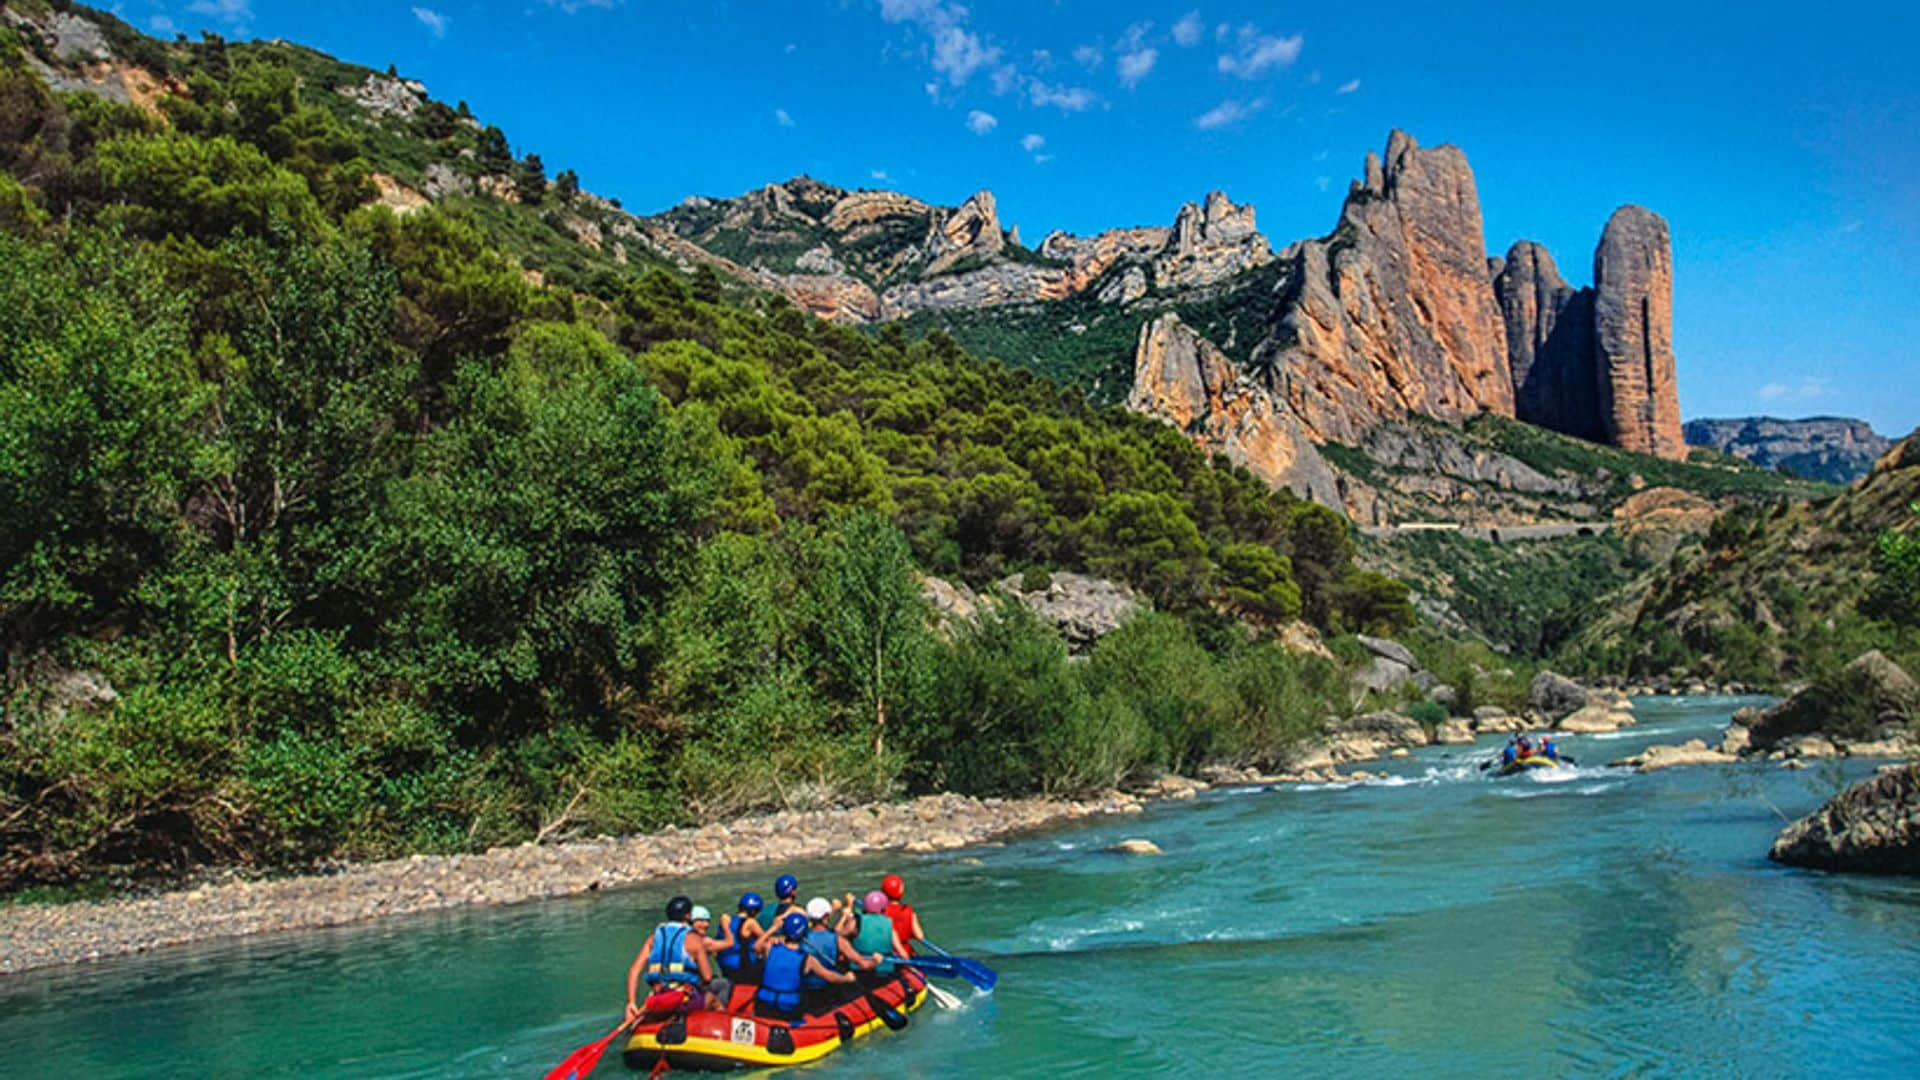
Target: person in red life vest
point(1526, 747)
point(906, 922)
point(674, 957)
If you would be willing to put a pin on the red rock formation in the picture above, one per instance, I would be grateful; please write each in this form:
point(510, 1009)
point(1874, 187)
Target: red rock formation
point(1549, 343)
point(1394, 313)
point(1633, 334)
point(1182, 378)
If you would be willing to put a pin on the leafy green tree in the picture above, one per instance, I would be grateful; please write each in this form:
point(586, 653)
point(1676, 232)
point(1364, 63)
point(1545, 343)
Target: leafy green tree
point(493, 152)
point(873, 620)
point(566, 186)
point(174, 184)
point(1895, 594)
point(96, 392)
point(1259, 581)
point(1001, 690)
point(530, 180)
point(1147, 538)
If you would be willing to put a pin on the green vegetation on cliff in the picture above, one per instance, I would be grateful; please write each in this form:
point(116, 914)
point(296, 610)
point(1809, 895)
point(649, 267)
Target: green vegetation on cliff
point(326, 531)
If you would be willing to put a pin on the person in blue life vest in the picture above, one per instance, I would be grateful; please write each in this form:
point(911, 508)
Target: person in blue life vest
point(674, 957)
point(824, 943)
point(789, 967)
point(786, 900)
point(738, 962)
point(1547, 749)
point(872, 934)
point(1510, 752)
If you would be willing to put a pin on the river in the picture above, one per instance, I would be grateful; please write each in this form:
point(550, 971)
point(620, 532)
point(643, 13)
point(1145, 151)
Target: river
point(1438, 923)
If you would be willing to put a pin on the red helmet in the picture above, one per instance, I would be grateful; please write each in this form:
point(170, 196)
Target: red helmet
point(893, 886)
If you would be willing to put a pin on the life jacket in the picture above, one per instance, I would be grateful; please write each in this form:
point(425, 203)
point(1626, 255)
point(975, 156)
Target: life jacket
point(667, 957)
point(770, 917)
point(782, 978)
point(732, 957)
point(824, 945)
point(875, 939)
point(901, 914)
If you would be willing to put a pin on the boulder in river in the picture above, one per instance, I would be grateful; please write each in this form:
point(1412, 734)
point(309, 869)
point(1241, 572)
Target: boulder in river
point(1388, 728)
point(1555, 695)
point(1135, 846)
point(1594, 720)
point(1454, 733)
point(1691, 752)
point(1873, 691)
point(1872, 827)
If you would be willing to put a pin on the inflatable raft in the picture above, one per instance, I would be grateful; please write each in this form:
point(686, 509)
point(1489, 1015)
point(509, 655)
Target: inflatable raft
point(1519, 765)
point(742, 1037)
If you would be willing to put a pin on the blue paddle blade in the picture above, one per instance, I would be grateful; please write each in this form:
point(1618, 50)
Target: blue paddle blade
point(956, 967)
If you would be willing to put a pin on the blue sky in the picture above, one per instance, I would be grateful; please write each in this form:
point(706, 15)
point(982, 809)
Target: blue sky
point(1782, 145)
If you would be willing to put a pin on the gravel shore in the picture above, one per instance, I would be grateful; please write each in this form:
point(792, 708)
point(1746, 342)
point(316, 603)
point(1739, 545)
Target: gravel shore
point(42, 935)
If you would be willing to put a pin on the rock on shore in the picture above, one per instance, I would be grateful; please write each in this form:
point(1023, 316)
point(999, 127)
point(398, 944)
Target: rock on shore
point(1872, 827)
point(40, 935)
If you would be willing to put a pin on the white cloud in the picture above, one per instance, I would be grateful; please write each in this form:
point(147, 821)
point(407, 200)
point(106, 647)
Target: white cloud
point(1043, 58)
point(957, 51)
point(160, 24)
point(1810, 387)
point(981, 122)
point(231, 11)
point(1348, 87)
point(1006, 79)
point(1323, 182)
point(781, 117)
point(1136, 57)
point(1066, 98)
point(1042, 159)
point(572, 6)
point(1031, 143)
point(435, 22)
point(1257, 53)
point(1230, 111)
point(1187, 32)
point(880, 175)
point(1087, 56)
point(1134, 66)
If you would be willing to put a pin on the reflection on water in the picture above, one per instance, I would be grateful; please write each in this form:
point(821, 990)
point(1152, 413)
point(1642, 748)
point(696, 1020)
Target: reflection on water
point(1439, 922)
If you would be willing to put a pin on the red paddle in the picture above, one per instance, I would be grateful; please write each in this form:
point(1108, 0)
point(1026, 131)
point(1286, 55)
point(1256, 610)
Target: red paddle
point(581, 1061)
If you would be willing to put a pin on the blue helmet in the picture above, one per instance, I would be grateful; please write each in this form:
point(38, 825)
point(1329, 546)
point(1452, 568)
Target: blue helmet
point(751, 903)
point(785, 885)
point(794, 926)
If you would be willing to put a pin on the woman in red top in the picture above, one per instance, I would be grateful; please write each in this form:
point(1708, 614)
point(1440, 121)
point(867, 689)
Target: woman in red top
point(906, 922)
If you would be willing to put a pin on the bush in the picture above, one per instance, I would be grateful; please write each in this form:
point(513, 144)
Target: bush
point(1430, 714)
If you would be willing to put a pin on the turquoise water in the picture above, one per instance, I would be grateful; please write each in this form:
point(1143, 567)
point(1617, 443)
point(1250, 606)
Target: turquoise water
point(1438, 923)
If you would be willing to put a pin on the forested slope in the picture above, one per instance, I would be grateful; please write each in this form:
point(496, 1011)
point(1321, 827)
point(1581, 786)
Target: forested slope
point(330, 527)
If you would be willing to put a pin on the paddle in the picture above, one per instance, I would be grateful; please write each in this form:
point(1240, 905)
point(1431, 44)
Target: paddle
point(940, 997)
point(955, 967)
point(581, 1061)
point(992, 976)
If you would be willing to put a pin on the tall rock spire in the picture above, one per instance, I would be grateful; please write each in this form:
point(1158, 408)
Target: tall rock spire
point(1633, 334)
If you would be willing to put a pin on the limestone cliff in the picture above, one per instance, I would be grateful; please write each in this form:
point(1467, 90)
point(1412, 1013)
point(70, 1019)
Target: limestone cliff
point(1828, 448)
point(857, 256)
point(1393, 314)
point(1185, 380)
point(1633, 334)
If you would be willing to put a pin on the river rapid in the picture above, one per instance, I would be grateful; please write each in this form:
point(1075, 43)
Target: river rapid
point(1436, 923)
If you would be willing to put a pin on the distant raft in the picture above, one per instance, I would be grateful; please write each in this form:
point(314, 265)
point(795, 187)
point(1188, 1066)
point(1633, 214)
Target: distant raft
point(1520, 765)
point(740, 1037)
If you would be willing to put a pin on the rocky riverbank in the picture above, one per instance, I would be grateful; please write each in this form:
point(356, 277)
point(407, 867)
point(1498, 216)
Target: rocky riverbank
point(42, 935)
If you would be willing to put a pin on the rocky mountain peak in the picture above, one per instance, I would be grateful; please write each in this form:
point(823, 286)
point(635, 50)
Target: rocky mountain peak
point(1394, 312)
point(1549, 343)
point(970, 229)
point(1633, 333)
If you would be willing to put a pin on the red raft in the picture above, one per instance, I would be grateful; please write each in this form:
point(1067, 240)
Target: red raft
point(741, 1037)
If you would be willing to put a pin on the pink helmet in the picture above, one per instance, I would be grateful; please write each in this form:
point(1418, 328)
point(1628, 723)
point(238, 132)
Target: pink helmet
point(875, 902)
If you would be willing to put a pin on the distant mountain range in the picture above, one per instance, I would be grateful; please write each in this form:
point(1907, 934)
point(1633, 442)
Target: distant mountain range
point(1830, 448)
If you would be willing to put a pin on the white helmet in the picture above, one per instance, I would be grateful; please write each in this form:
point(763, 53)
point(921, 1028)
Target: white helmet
point(819, 907)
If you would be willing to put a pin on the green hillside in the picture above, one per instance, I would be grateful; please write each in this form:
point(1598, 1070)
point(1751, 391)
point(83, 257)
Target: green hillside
point(329, 531)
